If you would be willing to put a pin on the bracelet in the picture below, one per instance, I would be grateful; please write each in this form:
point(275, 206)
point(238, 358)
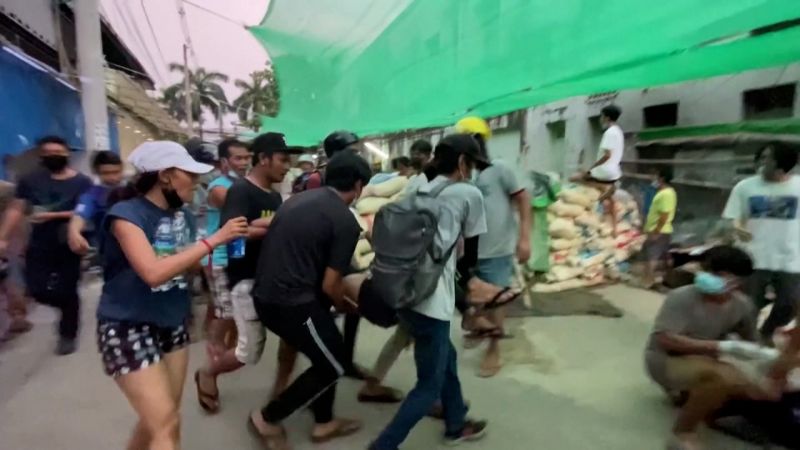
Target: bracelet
point(208, 246)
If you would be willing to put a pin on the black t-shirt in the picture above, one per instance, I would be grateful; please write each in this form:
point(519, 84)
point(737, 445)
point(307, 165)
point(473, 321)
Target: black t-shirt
point(246, 199)
point(312, 231)
point(44, 194)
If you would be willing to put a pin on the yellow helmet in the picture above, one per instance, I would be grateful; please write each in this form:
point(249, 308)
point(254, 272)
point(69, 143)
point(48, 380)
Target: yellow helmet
point(474, 125)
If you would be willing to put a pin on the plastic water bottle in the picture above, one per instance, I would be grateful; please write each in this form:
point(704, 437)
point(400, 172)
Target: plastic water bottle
point(164, 244)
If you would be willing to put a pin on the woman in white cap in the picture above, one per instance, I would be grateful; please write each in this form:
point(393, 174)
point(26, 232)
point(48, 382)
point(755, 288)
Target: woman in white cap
point(145, 302)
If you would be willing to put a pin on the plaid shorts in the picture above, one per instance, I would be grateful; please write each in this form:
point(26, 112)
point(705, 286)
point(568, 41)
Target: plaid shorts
point(127, 347)
point(220, 292)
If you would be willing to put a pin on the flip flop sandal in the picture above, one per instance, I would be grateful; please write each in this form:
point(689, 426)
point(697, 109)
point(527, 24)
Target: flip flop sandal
point(209, 402)
point(491, 333)
point(345, 428)
point(495, 302)
point(277, 442)
point(389, 396)
point(488, 372)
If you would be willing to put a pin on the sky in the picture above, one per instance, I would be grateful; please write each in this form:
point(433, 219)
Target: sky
point(220, 44)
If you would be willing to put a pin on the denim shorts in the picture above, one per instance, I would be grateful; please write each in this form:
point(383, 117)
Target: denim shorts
point(498, 271)
point(127, 346)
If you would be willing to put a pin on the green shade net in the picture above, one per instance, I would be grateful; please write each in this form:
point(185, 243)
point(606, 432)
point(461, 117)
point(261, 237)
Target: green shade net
point(379, 66)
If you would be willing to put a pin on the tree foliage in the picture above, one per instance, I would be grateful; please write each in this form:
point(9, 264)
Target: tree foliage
point(206, 94)
point(260, 97)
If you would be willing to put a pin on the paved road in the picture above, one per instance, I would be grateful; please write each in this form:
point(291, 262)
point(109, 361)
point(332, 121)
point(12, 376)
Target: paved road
point(570, 383)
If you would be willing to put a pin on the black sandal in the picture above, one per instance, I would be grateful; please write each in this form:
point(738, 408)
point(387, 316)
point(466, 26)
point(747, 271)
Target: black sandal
point(495, 302)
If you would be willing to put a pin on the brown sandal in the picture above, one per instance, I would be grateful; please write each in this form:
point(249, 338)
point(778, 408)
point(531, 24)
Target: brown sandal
point(346, 428)
point(270, 442)
point(209, 402)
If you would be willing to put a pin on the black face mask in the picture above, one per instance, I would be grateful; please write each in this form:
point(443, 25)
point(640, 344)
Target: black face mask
point(174, 201)
point(55, 163)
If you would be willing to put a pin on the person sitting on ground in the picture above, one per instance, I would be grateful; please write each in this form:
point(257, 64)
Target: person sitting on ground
point(658, 225)
point(691, 333)
point(298, 279)
point(145, 304)
point(763, 210)
point(93, 204)
point(606, 171)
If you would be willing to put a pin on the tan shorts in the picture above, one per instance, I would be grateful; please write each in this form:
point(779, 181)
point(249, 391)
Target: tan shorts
point(685, 372)
point(251, 332)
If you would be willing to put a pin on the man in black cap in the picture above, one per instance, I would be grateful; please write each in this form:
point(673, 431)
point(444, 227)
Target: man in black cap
point(253, 198)
point(299, 277)
point(428, 323)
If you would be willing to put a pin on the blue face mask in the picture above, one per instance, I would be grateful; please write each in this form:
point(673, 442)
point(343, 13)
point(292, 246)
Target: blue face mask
point(710, 284)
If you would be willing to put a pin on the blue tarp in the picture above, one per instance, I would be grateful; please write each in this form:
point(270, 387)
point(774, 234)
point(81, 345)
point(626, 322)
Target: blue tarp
point(35, 104)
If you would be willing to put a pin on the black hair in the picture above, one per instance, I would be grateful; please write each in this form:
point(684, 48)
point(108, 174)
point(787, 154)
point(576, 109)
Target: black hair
point(145, 181)
point(665, 173)
point(785, 157)
point(268, 144)
point(401, 161)
point(729, 259)
point(139, 186)
point(445, 157)
point(422, 146)
point(52, 140)
point(224, 147)
point(105, 158)
point(345, 169)
point(612, 112)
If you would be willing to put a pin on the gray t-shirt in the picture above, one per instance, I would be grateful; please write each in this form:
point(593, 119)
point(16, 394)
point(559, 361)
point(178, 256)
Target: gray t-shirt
point(684, 312)
point(463, 216)
point(497, 184)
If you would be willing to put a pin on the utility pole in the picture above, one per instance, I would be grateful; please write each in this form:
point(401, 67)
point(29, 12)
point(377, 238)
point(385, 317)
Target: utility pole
point(187, 89)
point(92, 76)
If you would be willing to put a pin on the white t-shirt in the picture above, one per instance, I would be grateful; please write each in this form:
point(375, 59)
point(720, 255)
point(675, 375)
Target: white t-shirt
point(613, 141)
point(769, 211)
point(463, 216)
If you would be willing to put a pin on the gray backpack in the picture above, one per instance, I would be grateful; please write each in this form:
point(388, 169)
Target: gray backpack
point(409, 259)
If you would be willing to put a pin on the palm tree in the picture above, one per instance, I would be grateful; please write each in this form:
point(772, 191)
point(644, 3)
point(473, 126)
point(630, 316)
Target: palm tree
point(259, 97)
point(206, 95)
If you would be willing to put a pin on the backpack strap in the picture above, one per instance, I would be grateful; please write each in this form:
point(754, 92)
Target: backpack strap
point(438, 189)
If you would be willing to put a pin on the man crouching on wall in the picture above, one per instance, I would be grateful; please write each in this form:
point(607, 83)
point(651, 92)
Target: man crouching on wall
point(691, 333)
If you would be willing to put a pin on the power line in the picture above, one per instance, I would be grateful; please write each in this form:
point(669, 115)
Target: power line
point(134, 32)
point(153, 33)
point(185, 30)
point(212, 12)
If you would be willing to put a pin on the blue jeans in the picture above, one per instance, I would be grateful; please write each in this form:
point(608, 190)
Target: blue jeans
point(437, 378)
point(498, 270)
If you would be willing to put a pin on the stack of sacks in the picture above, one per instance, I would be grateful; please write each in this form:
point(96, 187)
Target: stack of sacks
point(363, 254)
point(583, 251)
point(373, 197)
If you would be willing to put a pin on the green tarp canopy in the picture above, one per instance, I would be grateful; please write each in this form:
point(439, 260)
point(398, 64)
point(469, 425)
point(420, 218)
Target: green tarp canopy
point(375, 66)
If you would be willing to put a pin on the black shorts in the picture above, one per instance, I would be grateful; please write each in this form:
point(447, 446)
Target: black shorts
point(655, 248)
point(127, 347)
point(373, 308)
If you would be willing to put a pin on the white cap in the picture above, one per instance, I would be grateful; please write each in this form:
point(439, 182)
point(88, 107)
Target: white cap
point(153, 156)
point(306, 158)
